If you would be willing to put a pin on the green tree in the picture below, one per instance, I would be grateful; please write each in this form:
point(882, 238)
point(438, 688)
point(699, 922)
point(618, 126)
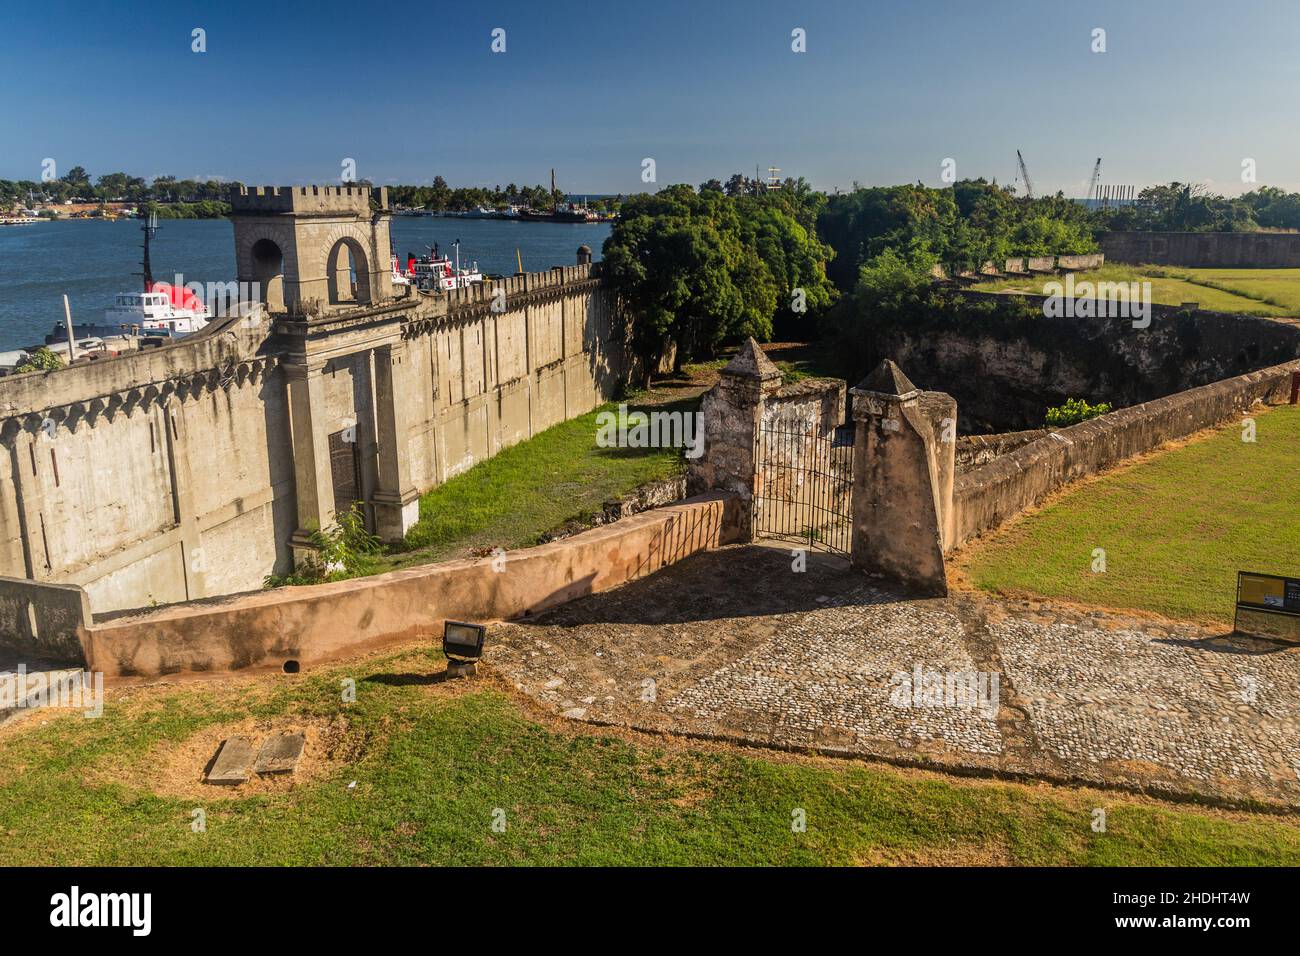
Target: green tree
point(699, 269)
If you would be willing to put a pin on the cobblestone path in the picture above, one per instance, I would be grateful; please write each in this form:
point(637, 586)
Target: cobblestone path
point(736, 645)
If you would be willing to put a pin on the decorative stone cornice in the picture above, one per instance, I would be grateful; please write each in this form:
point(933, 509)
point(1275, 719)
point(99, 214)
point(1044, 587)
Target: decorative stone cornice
point(466, 312)
point(184, 387)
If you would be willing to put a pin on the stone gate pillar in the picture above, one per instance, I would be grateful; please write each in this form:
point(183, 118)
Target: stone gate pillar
point(396, 499)
point(903, 466)
point(731, 414)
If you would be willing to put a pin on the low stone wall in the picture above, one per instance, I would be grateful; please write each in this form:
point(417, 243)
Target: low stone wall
point(311, 625)
point(42, 621)
point(985, 497)
point(1074, 263)
point(976, 450)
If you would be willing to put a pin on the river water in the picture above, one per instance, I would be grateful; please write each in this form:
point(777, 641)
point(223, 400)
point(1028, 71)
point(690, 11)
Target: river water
point(91, 261)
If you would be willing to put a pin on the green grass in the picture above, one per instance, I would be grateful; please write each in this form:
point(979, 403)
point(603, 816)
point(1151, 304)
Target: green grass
point(1176, 528)
point(1277, 287)
point(1268, 292)
point(533, 487)
point(432, 766)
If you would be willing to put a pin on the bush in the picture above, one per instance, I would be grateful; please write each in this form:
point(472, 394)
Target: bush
point(344, 550)
point(1075, 410)
point(42, 360)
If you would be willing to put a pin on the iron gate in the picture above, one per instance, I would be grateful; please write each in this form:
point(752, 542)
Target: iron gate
point(803, 484)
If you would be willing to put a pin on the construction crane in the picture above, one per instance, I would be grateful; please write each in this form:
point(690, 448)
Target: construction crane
point(1092, 186)
point(1024, 174)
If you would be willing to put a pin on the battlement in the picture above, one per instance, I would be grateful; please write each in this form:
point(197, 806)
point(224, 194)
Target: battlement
point(306, 200)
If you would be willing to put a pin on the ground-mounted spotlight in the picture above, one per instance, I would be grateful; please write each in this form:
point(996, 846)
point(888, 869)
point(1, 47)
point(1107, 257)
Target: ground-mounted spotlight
point(463, 645)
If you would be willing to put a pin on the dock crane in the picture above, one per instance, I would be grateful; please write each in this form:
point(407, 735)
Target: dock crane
point(1092, 186)
point(1024, 174)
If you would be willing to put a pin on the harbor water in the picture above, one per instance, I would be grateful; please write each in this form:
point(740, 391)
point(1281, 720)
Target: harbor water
point(91, 260)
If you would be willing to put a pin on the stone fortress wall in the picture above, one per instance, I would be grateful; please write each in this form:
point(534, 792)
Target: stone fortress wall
point(196, 469)
point(1205, 250)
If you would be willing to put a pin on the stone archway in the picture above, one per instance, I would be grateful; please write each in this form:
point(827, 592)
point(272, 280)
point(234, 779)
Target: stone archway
point(268, 272)
point(348, 273)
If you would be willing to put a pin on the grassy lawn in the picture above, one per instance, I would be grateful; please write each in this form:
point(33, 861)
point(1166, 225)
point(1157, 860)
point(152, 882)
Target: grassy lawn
point(1175, 527)
point(1279, 288)
point(1270, 292)
point(533, 487)
point(435, 764)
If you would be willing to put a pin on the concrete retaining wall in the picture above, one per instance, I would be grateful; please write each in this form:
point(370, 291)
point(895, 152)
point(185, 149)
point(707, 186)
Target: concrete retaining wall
point(985, 497)
point(319, 623)
point(42, 621)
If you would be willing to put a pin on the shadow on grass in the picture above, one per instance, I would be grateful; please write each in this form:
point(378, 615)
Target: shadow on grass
point(407, 680)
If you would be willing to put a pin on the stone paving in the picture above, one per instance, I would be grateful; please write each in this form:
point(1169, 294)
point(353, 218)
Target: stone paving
point(735, 645)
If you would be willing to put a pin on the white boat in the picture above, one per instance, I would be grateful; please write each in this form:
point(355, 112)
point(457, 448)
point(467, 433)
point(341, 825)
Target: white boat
point(18, 220)
point(437, 273)
point(163, 310)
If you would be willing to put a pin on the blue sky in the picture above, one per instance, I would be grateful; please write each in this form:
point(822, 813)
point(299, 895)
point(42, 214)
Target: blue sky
point(885, 92)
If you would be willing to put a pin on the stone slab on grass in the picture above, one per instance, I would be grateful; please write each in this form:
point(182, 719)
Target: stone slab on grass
point(234, 762)
point(280, 753)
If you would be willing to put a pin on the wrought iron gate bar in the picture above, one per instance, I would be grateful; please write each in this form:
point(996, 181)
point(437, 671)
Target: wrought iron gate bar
point(803, 486)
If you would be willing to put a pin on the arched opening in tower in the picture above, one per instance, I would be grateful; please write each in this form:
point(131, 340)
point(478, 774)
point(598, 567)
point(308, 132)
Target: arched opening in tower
point(268, 273)
point(349, 273)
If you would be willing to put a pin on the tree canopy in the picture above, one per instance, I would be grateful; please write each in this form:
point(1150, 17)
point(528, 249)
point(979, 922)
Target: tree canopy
point(701, 268)
point(965, 226)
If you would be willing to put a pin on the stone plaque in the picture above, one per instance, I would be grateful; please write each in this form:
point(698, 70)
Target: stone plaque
point(234, 762)
point(280, 753)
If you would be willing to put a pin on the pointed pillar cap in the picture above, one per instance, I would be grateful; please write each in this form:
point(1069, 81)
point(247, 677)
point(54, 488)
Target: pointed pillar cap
point(750, 362)
point(888, 380)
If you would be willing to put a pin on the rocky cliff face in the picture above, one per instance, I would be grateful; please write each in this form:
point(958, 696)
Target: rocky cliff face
point(1006, 370)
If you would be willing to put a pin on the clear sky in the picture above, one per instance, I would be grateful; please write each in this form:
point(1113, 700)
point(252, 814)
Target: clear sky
point(885, 92)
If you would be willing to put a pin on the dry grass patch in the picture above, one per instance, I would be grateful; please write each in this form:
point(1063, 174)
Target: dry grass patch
point(177, 769)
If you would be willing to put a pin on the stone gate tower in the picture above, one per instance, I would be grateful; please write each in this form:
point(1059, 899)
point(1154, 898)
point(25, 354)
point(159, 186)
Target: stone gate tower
point(313, 249)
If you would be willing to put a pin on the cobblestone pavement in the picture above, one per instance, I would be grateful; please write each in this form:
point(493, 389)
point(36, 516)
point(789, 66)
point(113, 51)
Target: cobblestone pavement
point(735, 645)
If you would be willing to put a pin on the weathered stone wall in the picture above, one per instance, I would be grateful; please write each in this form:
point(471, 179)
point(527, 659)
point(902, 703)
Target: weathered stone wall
point(975, 450)
point(795, 420)
point(310, 625)
point(816, 403)
point(1006, 371)
point(149, 478)
point(1235, 250)
point(176, 473)
point(903, 470)
point(985, 497)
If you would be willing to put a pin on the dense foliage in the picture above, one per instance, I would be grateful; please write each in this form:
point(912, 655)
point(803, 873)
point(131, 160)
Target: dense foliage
point(962, 227)
point(1190, 207)
point(699, 268)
